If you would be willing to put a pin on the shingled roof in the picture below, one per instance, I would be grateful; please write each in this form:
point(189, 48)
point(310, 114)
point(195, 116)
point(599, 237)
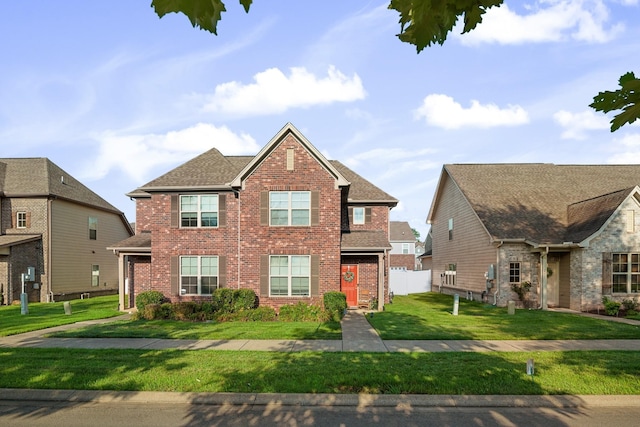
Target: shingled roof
point(40, 177)
point(214, 171)
point(400, 231)
point(543, 203)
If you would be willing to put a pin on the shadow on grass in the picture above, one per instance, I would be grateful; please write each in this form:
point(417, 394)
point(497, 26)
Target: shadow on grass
point(259, 372)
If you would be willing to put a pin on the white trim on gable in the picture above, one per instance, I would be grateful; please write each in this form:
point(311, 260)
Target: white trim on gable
point(238, 181)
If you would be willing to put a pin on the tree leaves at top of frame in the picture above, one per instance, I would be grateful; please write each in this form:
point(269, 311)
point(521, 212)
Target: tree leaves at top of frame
point(203, 14)
point(627, 99)
point(425, 22)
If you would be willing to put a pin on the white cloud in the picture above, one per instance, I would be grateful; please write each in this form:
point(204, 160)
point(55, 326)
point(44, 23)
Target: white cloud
point(576, 125)
point(442, 111)
point(629, 150)
point(549, 21)
point(137, 155)
point(273, 92)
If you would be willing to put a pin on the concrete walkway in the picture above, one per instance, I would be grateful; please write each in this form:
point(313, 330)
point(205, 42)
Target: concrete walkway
point(357, 336)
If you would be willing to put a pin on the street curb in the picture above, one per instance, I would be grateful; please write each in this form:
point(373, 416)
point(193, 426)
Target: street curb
point(311, 399)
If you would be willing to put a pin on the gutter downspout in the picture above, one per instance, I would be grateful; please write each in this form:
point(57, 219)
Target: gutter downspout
point(496, 274)
point(49, 239)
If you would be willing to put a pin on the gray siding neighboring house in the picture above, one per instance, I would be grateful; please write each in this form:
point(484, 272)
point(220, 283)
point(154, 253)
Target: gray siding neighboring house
point(51, 222)
point(572, 231)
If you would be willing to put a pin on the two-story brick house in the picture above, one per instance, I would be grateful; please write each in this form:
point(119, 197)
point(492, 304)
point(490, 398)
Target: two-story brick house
point(287, 223)
point(54, 226)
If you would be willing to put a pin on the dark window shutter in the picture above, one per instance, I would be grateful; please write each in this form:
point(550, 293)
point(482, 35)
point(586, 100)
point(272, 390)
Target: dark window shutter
point(222, 210)
point(350, 213)
point(367, 215)
point(175, 211)
point(264, 275)
point(28, 218)
point(264, 208)
point(175, 275)
point(14, 220)
point(315, 208)
point(222, 271)
point(607, 273)
point(315, 275)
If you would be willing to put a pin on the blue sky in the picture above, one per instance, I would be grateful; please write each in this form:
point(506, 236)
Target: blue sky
point(116, 96)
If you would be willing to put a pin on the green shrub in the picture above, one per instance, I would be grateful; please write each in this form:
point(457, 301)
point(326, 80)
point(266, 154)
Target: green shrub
point(302, 312)
point(222, 300)
point(149, 297)
point(335, 303)
point(260, 314)
point(185, 310)
point(244, 299)
point(629, 304)
point(152, 312)
point(611, 307)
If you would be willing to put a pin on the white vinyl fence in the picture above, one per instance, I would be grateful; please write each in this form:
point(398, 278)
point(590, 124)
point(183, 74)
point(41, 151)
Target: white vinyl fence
point(403, 282)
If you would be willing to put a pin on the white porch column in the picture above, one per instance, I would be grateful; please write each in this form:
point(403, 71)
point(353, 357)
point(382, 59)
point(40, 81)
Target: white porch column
point(381, 270)
point(121, 282)
point(543, 279)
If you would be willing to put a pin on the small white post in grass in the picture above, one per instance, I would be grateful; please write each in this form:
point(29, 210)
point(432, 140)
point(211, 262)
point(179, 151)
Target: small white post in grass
point(456, 303)
point(530, 368)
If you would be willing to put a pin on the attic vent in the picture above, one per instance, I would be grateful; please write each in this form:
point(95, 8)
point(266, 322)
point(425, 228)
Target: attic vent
point(289, 159)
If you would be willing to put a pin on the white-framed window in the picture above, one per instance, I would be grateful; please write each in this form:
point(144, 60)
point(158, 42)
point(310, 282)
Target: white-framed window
point(289, 208)
point(405, 248)
point(626, 273)
point(198, 275)
point(450, 228)
point(93, 228)
point(21, 219)
point(358, 215)
point(290, 275)
point(199, 210)
point(514, 272)
point(95, 275)
point(449, 275)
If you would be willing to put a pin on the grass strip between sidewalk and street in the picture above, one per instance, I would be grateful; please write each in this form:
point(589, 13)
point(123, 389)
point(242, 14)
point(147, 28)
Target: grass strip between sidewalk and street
point(583, 372)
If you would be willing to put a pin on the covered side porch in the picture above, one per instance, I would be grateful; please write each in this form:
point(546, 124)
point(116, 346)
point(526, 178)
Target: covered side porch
point(134, 267)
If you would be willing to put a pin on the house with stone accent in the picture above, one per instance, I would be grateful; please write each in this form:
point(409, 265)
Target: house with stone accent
point(287, 223)
point(54, 231)
point(570, 231)
point(403, 246)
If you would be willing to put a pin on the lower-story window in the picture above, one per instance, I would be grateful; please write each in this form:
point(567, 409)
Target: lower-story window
point(198, 275)
point(95, 275)
point(626, 273)
point(289, 275)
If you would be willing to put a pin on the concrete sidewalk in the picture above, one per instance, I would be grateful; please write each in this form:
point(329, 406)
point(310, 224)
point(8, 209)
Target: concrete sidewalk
point(357, 336)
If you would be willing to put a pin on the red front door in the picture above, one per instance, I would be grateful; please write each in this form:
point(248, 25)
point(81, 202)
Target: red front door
point(349, 284)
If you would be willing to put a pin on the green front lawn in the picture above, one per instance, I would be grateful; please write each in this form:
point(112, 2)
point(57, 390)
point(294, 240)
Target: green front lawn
point(46, 315)
point(428, 316)
point(584, 372)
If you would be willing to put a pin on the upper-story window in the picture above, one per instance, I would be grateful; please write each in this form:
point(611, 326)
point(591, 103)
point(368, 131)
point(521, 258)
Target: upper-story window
point(21, 220)
point(405, 248)
point(450, 226)
point(93, 228)
point(199, 210)
point(358, 216)
point(289, 207)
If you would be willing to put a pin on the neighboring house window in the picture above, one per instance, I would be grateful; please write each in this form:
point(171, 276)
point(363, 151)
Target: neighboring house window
point(198, 275)
point(514, 272)
point(449, 275)
point(199, 210)
point(289, 207)
point(93, 228)
point(405, 248)
point(450, 228)
point(21, 220)
point(358, 215)
point(95, 275)
point(626, 273)
point(289, 275)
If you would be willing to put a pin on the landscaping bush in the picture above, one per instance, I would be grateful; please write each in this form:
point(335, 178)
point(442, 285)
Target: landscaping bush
point(260, 314)
point(302, 312)
point(335, 303)
point(611, 307)
point(185, 310)
point(151, 312)
point(629, 304)
point(149, 297)
point(222, 300)
point(244, 299)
